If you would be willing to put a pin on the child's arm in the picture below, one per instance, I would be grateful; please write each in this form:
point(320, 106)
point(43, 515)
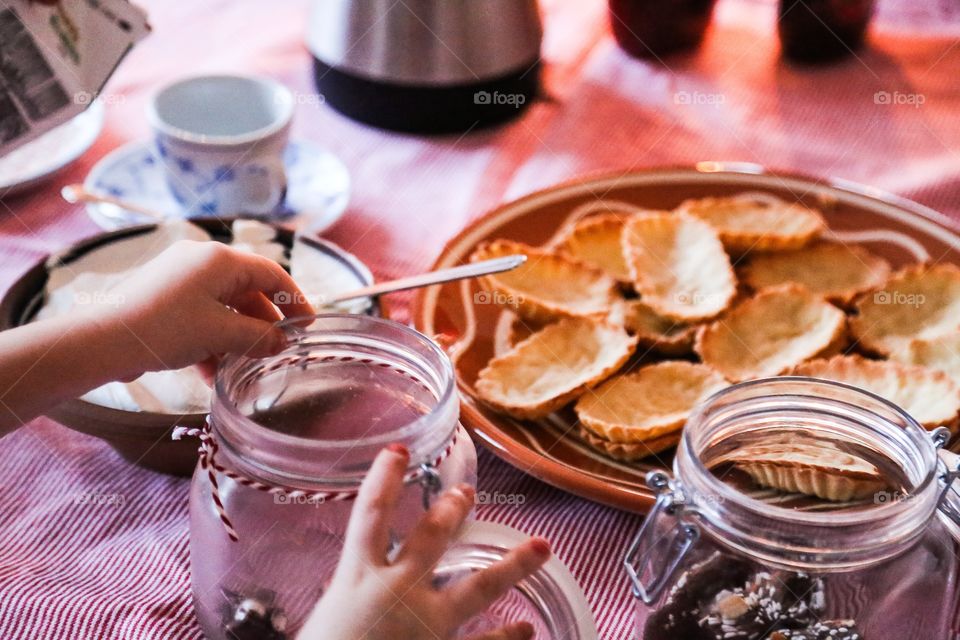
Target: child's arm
point(194, 301)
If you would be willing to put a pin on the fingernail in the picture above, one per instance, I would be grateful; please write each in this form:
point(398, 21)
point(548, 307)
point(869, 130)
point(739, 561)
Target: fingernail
point(541, 546)
point(399, 449)
point(524, 630)
point(468, 491)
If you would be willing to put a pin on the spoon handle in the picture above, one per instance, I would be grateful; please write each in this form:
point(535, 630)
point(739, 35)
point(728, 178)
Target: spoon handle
point(485, 267)
point(74, 193)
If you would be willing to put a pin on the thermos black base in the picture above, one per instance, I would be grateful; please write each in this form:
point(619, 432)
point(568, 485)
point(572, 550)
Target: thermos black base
point(428, 109)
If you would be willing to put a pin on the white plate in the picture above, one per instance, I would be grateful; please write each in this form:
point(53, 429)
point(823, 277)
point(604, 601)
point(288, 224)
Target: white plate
point(39, 159)
point(318, 187)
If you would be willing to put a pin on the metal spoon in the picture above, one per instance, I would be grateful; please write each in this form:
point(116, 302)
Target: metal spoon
point(485, 267)
point(74, 193)
point(451, 274)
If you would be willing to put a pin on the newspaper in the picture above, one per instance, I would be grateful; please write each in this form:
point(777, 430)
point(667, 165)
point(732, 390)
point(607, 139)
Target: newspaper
point(55, 57)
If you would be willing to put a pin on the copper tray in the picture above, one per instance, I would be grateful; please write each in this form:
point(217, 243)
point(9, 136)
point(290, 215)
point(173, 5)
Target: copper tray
point(895, 228)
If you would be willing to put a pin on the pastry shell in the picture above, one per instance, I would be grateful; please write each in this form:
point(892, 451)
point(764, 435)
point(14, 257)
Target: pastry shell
point(836, 271)
point(812, 469)
point(548, 286)
point(651, 402)
point(678, 266)
point(553, 367)
point(656, 333)
point(918, 302)
point(930, 396)
point(757, 221)
point(767, 334)
point(630, 451)
point(510, 330)
point(520, 330)
point(596, 241)
point(941, 353)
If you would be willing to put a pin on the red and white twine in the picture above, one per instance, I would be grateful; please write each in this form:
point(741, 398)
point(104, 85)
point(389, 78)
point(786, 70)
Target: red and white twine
point(208, 451)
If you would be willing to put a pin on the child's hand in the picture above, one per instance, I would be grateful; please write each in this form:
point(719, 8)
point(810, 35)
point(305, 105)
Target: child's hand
point(200, 299)
point(372, 599)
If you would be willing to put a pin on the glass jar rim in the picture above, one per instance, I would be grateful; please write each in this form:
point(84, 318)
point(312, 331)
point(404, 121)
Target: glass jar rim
point(731, 493)
point(730, 509)
point(552, 590)
point(265, 452)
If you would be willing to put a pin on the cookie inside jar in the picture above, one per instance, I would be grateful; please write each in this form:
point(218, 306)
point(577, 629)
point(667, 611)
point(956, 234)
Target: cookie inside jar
point(817, 454)
point(797, 468)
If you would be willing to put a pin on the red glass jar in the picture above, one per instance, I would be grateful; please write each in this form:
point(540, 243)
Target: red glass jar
point(652, 28)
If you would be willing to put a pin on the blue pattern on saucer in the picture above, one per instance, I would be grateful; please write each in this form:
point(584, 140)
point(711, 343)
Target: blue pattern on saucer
point(318, 187)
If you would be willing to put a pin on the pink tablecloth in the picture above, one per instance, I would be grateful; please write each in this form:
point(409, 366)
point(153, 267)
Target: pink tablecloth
point(73, 565)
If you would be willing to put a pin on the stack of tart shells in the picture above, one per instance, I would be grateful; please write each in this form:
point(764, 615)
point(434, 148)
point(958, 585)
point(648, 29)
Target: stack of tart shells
point(634, 318)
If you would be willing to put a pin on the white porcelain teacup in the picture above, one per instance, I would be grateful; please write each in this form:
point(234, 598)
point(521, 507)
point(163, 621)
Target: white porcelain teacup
point(221, 140)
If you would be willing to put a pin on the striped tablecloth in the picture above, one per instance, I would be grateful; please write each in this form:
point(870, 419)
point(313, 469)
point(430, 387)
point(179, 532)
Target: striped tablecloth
point(92, 548)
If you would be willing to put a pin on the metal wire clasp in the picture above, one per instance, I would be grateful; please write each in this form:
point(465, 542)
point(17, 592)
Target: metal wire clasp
point(639, 556)
point(431, 483)
point(951, 463)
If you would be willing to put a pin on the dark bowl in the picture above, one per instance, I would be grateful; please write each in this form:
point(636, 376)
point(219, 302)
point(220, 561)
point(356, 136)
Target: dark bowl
point(142, 437)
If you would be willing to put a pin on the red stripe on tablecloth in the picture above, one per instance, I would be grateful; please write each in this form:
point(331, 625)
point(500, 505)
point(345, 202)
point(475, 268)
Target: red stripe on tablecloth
point(70, 570)
point(90, 573)
point(82, 571)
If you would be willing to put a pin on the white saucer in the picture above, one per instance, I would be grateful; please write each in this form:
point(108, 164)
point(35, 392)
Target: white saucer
point(39, 159)
point(318, 187)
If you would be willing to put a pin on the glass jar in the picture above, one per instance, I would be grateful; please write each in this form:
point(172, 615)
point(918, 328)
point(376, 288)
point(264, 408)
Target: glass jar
point(550, 600)
point(290, 439)
point(720, 557)
point(822, 30)
point(653, 28)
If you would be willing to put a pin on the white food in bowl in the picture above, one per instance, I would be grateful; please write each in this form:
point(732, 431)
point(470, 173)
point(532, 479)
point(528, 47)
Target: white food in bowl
point(322, 276)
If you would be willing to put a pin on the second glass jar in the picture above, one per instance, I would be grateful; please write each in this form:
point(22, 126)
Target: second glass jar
point(720, 558)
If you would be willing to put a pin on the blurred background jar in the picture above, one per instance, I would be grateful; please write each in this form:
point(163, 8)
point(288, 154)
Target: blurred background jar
point(720, 556)
point(292, 437)
point(813, 31)
point(653, 28)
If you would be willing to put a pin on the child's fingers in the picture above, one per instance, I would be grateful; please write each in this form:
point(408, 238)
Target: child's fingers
point(262, 274)
point(432, 535)
point(255, 305)
point(515, 631)
point(478, 591)
point(368, 533)
point(237, 333)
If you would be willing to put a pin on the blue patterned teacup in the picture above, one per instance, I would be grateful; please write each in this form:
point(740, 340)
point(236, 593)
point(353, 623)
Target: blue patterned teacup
point(221, 141)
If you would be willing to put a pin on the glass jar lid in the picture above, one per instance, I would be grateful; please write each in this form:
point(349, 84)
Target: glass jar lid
point(550, 600)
